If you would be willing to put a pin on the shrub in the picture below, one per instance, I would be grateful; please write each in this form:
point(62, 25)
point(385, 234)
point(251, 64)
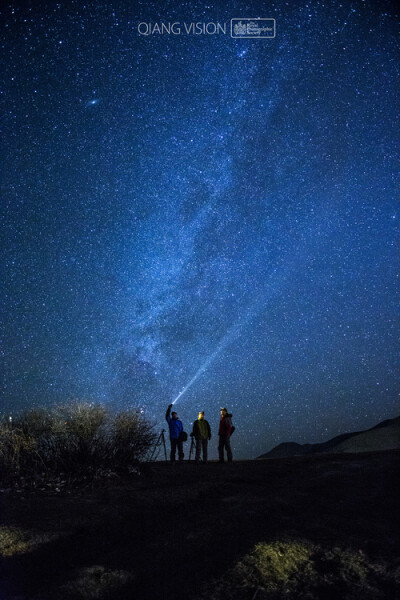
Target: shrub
point(16, 449)
point(132, 436)
point(79, 437)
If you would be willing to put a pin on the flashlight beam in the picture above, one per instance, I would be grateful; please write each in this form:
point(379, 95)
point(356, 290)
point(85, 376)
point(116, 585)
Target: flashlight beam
point(226, 340)
point(277, 279)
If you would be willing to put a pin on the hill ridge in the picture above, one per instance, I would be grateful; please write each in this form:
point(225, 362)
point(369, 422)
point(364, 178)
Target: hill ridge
point(383, 436)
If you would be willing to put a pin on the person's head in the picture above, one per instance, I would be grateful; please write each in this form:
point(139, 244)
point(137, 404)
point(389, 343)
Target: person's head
point(201, 414)
point(224, 412)
point(174, 415)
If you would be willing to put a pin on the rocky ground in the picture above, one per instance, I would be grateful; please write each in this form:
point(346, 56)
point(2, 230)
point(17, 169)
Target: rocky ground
point(320, 527)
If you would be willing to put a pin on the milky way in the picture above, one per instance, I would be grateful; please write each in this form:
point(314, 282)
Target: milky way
point(179, 204)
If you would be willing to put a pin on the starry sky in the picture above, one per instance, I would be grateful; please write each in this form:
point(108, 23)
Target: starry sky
point(197, 209)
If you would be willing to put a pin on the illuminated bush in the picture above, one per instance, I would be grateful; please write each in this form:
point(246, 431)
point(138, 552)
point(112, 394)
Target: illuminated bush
point(271, 566)
point(20, 541)
point(301, 570)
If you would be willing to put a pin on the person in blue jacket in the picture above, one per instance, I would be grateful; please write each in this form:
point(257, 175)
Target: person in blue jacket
point(175, 429)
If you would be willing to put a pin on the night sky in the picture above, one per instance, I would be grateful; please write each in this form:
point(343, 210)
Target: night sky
point(183, 205)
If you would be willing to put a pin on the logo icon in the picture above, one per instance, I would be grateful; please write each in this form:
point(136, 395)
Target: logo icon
point(253, 28)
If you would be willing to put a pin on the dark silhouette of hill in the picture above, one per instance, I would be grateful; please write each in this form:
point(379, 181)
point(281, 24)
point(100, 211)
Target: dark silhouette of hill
point(383, 436)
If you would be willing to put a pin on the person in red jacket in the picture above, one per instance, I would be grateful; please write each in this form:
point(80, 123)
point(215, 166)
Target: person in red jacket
point(225, 431)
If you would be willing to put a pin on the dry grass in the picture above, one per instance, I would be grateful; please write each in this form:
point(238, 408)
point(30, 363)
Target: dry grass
point(95, 583)
point(17, 541)
point(273, 565)
point(300, 570)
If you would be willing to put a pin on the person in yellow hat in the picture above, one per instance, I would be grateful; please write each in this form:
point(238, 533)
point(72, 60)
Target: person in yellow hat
point(202, 434)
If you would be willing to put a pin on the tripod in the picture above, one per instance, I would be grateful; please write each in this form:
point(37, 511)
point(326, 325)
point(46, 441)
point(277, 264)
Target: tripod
point(192, 446)
point(157, 446)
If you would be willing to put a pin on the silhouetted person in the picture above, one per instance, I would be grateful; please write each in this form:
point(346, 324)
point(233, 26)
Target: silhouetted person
point(202, 433)
point(175, 429)
point(224, 432)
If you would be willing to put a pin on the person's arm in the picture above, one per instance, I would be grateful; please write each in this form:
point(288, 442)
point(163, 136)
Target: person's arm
point(209, 430)
point(194, 430)
point(168, 413)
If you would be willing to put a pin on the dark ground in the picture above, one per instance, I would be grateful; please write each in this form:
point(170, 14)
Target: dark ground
point(170, 532)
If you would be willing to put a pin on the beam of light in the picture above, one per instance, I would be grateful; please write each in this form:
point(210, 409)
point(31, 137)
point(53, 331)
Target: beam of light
point(289, 262)
point(229, 337)
point(224, 342)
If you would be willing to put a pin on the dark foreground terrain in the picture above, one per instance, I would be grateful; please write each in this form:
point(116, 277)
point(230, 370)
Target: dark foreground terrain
point(321, 527)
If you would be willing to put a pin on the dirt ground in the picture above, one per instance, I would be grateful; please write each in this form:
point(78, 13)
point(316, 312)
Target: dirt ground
point(174, 531)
